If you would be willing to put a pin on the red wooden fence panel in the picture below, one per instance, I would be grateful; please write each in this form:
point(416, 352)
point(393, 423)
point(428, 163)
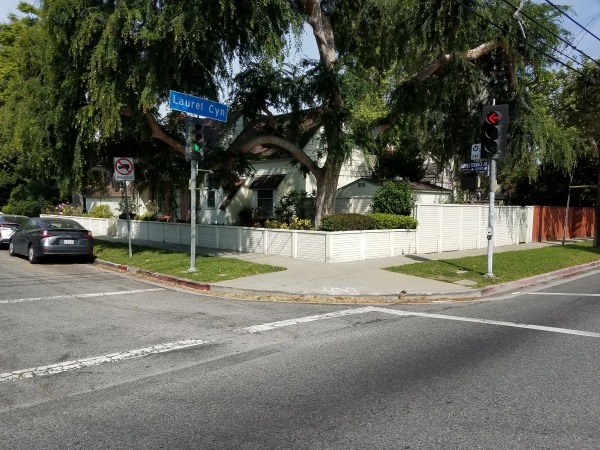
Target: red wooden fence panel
point(548, 223)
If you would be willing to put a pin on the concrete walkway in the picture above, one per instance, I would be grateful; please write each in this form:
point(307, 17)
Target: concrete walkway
point(351, 279)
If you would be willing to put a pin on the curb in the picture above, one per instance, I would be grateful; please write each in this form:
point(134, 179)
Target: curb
point(539, 279)
point(158, 276)
point(467, 293)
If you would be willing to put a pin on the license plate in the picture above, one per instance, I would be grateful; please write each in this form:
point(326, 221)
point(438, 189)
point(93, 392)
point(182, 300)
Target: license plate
point(69, 241)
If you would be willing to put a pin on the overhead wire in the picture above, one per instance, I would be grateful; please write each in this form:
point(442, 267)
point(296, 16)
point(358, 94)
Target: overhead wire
point(572, 20)
point(520, 12)
point(506, 30)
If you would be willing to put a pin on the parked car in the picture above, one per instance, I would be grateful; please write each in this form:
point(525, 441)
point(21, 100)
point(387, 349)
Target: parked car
point(9, 223)
point(41, 237)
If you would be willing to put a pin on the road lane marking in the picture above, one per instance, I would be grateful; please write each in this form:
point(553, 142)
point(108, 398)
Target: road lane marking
point(286, 323)
point(566, 294)
point(369, 309)
point(66, 366)
point(98, 294)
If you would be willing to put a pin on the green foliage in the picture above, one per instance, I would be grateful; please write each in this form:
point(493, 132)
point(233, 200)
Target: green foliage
point(101, 211)
point(347, 222)
point(295, 204)
point(293, 224)
point(30, 207)
point(393, 197)
point(31, 198)
point(146, 216)
point(393, 221)
point(375, 221)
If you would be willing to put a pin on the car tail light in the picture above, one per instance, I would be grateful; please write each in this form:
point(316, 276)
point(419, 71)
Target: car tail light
point(47, 234)
point(89, 235)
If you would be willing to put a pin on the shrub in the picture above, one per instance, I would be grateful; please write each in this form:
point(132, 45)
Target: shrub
point(295, 204)
point(101, 212)
point(146, 216)
point(393, 197)
point(393, 221)
point(29, 207)
point(347, 222)
point(294, 224)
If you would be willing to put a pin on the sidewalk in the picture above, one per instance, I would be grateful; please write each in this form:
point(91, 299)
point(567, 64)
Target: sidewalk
point(349, 279)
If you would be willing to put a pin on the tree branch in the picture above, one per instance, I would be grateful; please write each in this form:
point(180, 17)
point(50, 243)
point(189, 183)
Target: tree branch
point(439, 62)
point(295, 151)
point(158, 133)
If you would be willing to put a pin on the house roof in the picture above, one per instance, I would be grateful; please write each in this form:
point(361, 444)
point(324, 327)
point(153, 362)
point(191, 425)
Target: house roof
point(267, 182)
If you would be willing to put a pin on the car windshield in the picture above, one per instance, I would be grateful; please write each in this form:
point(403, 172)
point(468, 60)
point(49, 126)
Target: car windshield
point(63, 223)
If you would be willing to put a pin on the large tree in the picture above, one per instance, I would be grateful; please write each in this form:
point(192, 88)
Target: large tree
point(580, 107)
point(386, 69)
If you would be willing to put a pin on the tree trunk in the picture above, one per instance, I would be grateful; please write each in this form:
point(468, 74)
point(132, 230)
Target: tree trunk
point(327, 184)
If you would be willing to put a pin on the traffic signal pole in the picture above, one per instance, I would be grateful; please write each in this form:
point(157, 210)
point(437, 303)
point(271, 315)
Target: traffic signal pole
point(193, 175)
point(490, 229)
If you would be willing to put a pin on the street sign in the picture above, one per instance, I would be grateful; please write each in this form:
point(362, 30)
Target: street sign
point(481, 166)
point(198, 106)
point(124, 169)
point(475, 152)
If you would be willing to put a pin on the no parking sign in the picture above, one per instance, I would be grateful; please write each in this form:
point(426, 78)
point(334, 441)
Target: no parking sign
point(124, 169)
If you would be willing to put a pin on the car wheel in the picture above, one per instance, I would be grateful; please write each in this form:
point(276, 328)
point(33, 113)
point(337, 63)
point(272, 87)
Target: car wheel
point(31, 254)
point(11, 248)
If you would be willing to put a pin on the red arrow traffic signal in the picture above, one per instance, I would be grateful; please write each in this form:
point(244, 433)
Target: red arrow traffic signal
point(493, 118)
point(494, 131)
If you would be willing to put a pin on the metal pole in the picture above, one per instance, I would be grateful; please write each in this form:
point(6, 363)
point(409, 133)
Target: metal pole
point(128, 219)
point(567, 211)
point(193, 218)
point(490, 229)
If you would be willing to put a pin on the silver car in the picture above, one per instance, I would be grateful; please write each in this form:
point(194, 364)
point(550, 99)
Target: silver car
point(9, 223)
point(41, 237)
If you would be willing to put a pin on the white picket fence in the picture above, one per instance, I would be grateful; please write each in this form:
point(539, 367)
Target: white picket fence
point(441, 228)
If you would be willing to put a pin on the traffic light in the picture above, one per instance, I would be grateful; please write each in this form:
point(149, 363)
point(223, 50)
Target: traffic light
point(494, 131)
point(194, 149)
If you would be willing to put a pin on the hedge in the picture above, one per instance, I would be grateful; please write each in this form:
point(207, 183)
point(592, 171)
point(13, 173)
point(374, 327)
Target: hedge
point(375, 221)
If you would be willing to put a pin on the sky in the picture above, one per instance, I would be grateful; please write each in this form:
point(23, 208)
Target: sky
point(586, 12)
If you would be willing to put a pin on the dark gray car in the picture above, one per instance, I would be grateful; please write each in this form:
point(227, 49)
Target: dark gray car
point(41, 237)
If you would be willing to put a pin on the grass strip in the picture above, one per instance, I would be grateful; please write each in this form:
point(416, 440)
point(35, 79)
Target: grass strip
point(209, 269)
point(507, 266)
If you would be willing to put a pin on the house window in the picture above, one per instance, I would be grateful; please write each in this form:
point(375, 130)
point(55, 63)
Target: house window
point(211, 201)
point(361, 184)
point(265, 202)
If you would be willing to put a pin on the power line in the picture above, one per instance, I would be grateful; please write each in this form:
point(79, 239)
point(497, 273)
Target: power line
point(571, 19)
point(553, 34)
point(505, 30)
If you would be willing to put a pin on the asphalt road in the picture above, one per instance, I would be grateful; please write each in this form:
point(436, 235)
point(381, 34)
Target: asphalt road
point(91, 358)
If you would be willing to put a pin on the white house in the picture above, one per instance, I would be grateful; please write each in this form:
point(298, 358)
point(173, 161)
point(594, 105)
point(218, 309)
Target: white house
point(356, 196)
point(274, 176)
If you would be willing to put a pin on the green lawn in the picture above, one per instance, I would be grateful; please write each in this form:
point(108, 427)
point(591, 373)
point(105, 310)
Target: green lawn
point(209, 269)
point(507, 266)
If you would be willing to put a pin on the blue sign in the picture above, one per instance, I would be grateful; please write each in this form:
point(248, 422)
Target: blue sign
point(196, 105)
point(482, 166)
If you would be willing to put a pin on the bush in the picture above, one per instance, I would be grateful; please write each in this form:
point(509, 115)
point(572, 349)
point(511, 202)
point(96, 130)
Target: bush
point(146, 216)
point(29, 207)
point(101, 212)
point(347, 222)
point(294, 224)
point(393, 222)
point(393, 197)
point(297, 204)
